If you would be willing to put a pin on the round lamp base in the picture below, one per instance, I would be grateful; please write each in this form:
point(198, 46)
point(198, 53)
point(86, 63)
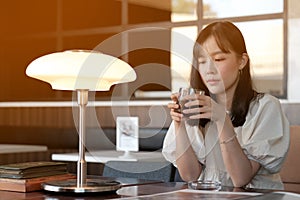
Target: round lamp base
point(70, 186)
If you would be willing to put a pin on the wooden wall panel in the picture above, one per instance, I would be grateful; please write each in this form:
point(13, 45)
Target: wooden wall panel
point(66, 117)
point(28, 116)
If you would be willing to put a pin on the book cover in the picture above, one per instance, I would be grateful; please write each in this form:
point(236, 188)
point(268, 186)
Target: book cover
point(32, 169)
point(29, 166)
point(31, 184)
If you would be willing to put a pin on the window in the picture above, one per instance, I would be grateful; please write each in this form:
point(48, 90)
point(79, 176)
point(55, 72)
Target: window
point(263, 25)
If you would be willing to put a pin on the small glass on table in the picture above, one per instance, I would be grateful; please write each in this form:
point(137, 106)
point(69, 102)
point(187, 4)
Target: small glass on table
point(206, 183)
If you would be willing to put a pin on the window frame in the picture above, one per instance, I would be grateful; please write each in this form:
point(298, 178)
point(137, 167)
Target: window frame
point(201, 21)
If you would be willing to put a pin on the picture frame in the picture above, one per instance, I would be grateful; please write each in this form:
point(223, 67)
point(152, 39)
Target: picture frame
point(127, 130)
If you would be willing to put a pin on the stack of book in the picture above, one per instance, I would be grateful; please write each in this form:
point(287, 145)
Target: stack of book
point(26, 177)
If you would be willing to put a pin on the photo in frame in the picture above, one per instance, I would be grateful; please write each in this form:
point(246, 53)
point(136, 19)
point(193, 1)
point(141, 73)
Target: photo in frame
point(127, 134)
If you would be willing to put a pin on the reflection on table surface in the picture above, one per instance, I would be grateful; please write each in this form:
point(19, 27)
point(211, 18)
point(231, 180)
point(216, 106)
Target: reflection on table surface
point(137, 189)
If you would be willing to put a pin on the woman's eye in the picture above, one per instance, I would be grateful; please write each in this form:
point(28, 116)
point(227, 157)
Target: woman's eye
point(202, 61)
point(219, 59)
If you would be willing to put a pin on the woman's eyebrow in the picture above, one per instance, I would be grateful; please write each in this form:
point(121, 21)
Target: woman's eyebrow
point(217, 52)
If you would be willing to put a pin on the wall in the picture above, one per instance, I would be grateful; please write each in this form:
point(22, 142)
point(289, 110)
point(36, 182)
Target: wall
point(62, 114)
point(30, 29)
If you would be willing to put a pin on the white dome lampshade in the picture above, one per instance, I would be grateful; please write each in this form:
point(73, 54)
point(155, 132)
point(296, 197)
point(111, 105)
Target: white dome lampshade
point(80, 69)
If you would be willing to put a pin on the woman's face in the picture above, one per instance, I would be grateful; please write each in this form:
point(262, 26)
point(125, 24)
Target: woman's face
point(218, 70)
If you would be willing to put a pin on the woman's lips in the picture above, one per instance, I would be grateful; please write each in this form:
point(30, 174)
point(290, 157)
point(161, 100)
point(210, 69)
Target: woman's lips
point(212, 81)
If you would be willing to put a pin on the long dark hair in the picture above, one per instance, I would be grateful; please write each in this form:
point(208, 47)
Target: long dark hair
point(229, 39)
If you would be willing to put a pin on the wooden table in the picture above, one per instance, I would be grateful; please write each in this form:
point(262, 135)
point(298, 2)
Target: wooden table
point(125, 182)
point(139, 188)
point(129, 190)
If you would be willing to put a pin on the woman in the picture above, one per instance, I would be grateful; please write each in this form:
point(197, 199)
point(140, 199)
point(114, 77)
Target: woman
point(243, 136)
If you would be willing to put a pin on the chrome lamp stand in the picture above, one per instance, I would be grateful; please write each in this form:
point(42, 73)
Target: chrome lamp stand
point(81, 184)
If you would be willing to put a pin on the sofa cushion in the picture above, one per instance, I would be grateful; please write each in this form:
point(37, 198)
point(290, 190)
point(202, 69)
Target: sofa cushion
point(290, 170)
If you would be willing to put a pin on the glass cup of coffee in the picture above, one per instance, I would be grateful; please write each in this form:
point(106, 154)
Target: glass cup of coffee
point(183, 92)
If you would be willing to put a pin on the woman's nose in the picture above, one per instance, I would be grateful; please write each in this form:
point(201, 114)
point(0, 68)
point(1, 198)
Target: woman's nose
point(211, 67)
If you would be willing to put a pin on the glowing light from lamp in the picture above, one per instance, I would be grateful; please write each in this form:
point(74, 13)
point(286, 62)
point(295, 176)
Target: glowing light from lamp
point(75, 70)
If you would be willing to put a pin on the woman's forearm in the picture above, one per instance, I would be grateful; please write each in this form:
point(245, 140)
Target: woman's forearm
point(240, 168)
point(186, 160)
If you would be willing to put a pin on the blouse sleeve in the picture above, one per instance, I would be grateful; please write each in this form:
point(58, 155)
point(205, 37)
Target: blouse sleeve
point(195, 137)
point(265, 134)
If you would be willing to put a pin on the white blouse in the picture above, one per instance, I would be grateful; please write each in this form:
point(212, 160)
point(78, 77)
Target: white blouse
point(264, 137)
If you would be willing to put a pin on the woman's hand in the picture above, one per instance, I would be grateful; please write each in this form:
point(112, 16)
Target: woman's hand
point(174, 106)
point(204, 107)
point(186, 159)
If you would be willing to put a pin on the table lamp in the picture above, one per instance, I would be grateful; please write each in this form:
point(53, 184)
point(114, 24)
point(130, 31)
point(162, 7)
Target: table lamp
point(81, 71)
